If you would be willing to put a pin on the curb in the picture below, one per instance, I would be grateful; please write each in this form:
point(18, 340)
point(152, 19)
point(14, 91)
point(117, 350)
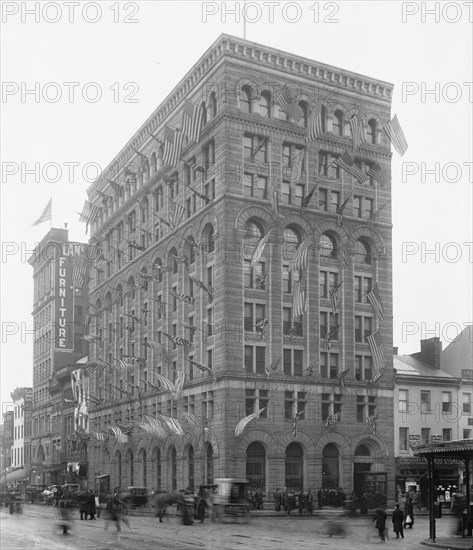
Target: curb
point(446, 545)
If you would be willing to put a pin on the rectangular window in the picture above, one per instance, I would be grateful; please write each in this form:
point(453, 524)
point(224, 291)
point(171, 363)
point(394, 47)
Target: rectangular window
point(255, 148)
point(288, 405)
point(466, 434)
point(335, 201)
point(255, 186)
point(447, 434)
point(425, 436)
point(425, 405)
point(403, 400)
point(357, 212)
point(323, 204)
point(403, 439)
point(250, 401)
point(467, 403)
point(446, 402)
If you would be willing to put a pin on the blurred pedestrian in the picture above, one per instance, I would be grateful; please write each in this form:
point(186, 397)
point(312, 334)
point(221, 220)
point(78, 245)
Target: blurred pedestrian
point(201, 506)
point(65, 520)
point(380, 517)
point(408, 514)
point(364, 503)
point(310, 502)
point(398, 520)
point(291, 502)
point(277, 500)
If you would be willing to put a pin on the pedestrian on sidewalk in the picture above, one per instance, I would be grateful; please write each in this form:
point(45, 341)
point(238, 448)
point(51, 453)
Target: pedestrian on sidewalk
point(398, 520)
point(409, 514)
point(380, 517)
point(291, 502)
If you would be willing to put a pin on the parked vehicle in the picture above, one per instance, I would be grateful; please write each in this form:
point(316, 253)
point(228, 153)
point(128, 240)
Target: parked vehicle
point(229, 499)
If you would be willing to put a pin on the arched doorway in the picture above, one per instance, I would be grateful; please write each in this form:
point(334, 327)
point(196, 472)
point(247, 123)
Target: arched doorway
point(294, 478)
point(256, 466)
point(190, 468)
point(330, 467)
point(157, 468)
point(131, 467)
point(144, 468)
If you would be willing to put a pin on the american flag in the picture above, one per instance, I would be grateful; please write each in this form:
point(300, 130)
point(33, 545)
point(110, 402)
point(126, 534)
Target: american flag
point(176, 213)
point(258, 148)
point(333, 293)
point(172, 146)
point(177, 340)
point(332, 331)
point(195, 423)
point(79, 272)
point(377, 350)
point(154, 426)
point(396, 135)
point(203, 286)
point(183, 297)
point(91, 338)
point(291, 108)
point(332, 419)
point(378, 174)
point(260, 281)
point(162, 220)
point(174, 388)
point(121, 365)
point(200, 195)
point(172, 423)
point(302, 254)
point(341, 379)
point(374, 215)
point(341, 208)
point(342, 255)
point(119, 435)
point(258, 252)
point(273, 194)
point(88, 214)
point(200, 366)
point(306, 200)
point(371, 421)
point(192, 119)
point(315, 124)
point(95, 365)
point(127, 430)
point(376, 376)
point(356, 125)
point(374, 299)
point(346, 162)
point(239, 428)
point(295, 420)
point(46, 214)
point(299, 298)
point(100, 436)
point(272, 367)
point(116, 187)
point(260, 325)
point(309, 371)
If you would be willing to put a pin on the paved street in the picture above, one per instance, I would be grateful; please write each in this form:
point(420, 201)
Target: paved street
point(37, 528)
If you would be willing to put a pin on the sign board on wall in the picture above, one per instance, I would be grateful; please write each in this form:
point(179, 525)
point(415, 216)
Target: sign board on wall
point(64, 303)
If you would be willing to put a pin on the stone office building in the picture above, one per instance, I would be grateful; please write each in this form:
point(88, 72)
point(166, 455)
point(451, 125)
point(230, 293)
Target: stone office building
point(245, 147)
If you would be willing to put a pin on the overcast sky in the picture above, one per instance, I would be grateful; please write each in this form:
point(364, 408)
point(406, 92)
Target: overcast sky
point(133, 53)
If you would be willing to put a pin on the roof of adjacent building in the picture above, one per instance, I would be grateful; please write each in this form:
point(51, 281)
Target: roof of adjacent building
point(458, 355)
point(409, 366)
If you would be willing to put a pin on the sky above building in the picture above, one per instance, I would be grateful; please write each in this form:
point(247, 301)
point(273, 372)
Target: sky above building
point(78, 81)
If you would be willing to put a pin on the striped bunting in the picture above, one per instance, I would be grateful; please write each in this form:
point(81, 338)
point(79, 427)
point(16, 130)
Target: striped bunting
point(273, 367)
point(176, 213)
point(377, 350)
point(299, 298)
point(378, 174)
point(302, 254)
point(95, 365)
point(194, 422)
point(192, 119)
point(315, 124)
point(119, 435)
point(333, 419)
point(357, 132)
point(396, 135)
point(258, 252)
point(172, 424)
point(239, 428)
point(374, 299)
point(154, 426)
point(346, 162)
point(341, 379)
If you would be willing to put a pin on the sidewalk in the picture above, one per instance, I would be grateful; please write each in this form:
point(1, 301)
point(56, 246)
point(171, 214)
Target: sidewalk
point(450, 543)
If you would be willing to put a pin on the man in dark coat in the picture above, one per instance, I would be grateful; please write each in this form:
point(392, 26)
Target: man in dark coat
point(291, 502)
point(409, 511)
point(380, 518)
point(398, 520)
point(277, 500)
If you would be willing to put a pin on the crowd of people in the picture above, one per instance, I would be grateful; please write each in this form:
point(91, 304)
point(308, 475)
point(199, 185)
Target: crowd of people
point(303, 500)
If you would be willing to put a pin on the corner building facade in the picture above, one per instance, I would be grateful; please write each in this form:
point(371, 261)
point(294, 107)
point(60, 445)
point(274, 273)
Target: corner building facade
point(253, 163)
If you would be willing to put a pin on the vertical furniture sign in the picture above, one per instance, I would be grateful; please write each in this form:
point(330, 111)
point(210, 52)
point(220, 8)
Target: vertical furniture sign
point(64, 303)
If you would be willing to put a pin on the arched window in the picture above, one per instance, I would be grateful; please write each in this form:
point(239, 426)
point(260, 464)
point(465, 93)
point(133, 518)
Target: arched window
point(212, 108)
point(292, 239)
point(372, 131)
point(144, 468)
point(253, 230)
point(265, 104)
point(118, 469)
point(210, 240)
point(328, 245)
point(192, 248)
point(190, 468)
point(173, 465)
point(144, 280)
point(330, 467)
point(131, 467)
point(131, 288)
point(362, 450)
point(337, 123)
point(119, 295)
point(294, 467)
point(158, 270)
point(209, 464)
point(154, 163)
point(157, 468)
point(362, 252)
point(256, 466)
point(160, 161)
point(246, 99)
point(144, 210)
point(173, 261)
point(305, 114)
point(204, 113)
point(324, 115)
point(145, 168)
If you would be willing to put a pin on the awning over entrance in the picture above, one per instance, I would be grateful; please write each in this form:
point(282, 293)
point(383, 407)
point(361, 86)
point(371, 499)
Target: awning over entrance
point(15, 475)
point(461, 450)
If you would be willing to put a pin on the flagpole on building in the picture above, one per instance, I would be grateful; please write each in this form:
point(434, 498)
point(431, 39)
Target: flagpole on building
point(244, 20)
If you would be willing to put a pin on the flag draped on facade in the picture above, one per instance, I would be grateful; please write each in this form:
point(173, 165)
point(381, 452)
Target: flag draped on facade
point(332, 331)
point(341, 379)
point(173, 424)
point(172, 146)
point(357, 133)
point(378, 174)
point(289, 106)
point(88, 214)
point(374, 299)
point(340, 210)
point(192, 119)
point(332, 419)
point(239, 428)
point(377, 350)
point(346, 162)
point(396, 135)
point(306, 200)
point(46, 214)
point(258, 252)
point(154, 426)
point(302, 254)
point(177, 340)
point(333, 293)
point(295, 420)
point(371, 421)
point(315, 124)
point(174, 388)
point(119, 435)
point(176, 214)
point(203, 286)
point(299, 298)
point(272, 367)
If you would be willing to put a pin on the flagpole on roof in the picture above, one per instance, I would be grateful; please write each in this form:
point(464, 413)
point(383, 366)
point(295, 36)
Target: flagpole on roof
point(244, 20)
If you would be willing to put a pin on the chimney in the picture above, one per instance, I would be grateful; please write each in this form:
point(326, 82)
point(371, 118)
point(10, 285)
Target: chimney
point(430, 352)
point(395, 350)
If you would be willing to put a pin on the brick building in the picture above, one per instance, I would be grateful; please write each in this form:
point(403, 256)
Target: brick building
point(179, 281)
point(60, 302)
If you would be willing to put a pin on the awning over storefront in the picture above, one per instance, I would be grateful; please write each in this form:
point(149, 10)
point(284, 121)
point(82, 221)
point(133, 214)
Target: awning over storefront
point(460, 450)
point(15, 475)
